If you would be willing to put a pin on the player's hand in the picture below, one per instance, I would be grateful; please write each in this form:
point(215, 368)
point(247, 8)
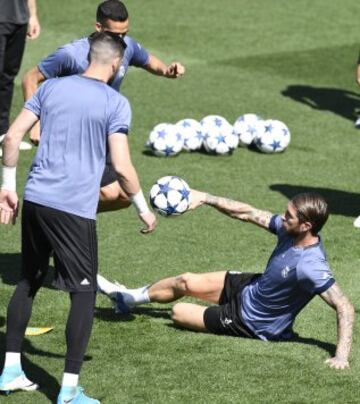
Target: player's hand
point(338, 363)
point(150, 221)
point(33, 30)
point(35, 134)
point(175, 70)
point(197, 199)
point(9, 204)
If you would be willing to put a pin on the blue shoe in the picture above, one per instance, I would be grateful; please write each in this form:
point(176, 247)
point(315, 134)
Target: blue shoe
point(79, 398)
point(120, 306)
point(13, 379)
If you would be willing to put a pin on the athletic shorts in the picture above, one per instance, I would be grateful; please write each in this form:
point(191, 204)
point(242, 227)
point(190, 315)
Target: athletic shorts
point(109, 175)
point(225, 319)
point(70, 238)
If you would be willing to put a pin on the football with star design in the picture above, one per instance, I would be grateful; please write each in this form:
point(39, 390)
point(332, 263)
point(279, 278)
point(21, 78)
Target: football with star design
point(219, 135)
point(273, 136)
point(170, 196)
point(165, 140)
point(191, 131)
point(246, 127)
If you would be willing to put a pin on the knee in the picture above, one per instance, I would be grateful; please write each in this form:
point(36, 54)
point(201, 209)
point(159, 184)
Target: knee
point(177, 312)
point(113, 193)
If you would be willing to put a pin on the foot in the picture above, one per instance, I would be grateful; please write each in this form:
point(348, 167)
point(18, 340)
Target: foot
point(120, 306)
point(357, 123)
point(10, 381)
point(357, 222)
point(108, 288)
point(78, 398)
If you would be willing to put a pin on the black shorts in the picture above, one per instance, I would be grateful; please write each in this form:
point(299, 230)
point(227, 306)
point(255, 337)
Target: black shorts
point(71, 239)
point(225, 319)
point(109, 175)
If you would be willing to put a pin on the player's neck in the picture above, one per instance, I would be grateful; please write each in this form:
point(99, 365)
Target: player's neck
point(97, 73)
point(305, 240)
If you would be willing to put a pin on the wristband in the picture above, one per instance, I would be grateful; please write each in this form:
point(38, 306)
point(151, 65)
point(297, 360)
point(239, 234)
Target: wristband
point(8, 178)
point(140, 203)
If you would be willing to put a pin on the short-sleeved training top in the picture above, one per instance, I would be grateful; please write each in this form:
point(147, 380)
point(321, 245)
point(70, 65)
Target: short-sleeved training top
point(293, 276)
point(14, 11)
point(73, 59)
point(76, 116)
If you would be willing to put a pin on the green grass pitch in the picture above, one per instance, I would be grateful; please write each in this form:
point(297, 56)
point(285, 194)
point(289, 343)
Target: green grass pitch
point(288, 60)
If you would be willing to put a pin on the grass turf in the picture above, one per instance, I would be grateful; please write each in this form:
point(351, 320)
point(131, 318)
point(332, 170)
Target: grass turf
point(292, 61)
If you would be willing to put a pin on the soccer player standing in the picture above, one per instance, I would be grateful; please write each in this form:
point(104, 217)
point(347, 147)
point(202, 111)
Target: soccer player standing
point(80, 115)
point(111, 16)
point(18, 21)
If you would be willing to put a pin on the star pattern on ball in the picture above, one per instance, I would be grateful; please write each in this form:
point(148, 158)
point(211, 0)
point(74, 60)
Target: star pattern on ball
point(268, 128)
point(199, 135)
point(168, 150)
point(184, 193)
point(220, 139)
point(285, 131)
point(161, 134)
point(186, 124)
point(276, 144)
point(164, 188)
point(170, 210)
point(218, 122)
point(251, 129)
point(178, 137)
point(259, 143)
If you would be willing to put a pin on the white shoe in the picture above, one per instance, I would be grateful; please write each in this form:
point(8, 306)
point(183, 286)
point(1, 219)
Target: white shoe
point(19, 383)
point(357, 222)
point(357, 123)
point(108, 288)
point(23, 145)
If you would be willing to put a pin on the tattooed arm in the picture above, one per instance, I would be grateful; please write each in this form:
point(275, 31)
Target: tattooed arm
point(234, 209)
point(345, 318)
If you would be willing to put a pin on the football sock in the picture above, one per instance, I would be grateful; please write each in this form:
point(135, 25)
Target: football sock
point(135, 297)
point(70, 380)
point(106, 286)
point(12, 359)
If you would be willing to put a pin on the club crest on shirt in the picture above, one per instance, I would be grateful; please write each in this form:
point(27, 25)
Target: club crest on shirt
point(285, 272)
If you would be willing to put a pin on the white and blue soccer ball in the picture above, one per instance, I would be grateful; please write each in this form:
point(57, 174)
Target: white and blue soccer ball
point(219, 135)
point(165, 140)
point(170, 196)
point(247, 127)
point(274, 136)
point(191, 131)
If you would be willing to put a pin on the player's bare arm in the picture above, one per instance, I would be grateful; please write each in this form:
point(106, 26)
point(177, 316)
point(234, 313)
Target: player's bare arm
point(234, 209)
point(172, 71)
point(30, 84)
point(129, 181)
point(11, 143)
point(335, 298)
point(358, 74)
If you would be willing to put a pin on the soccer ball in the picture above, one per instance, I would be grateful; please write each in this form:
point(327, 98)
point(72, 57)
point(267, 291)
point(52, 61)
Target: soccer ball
point(191, 131)
point(246, 127)
point(219, 135)
point(170, 196)
point(165, 140)
point(273, 137)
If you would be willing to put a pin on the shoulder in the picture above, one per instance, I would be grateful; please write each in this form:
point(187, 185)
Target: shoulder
point(76, 47)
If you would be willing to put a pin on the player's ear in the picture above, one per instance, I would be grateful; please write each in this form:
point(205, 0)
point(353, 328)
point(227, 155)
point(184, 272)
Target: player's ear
point(98, 27)
point(306, 226)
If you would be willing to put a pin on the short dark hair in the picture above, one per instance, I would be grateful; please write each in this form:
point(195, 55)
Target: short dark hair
point(111, 10)
point(100, 41)
point(311, 207)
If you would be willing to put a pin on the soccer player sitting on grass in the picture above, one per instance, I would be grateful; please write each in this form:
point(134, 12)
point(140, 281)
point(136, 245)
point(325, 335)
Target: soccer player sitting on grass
point(112, 17)
point(80, 115)
point(256, 305)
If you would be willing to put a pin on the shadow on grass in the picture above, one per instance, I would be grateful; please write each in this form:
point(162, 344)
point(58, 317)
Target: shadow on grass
point(49, 386)
point(340, 202)
point(108, 314)
point(341, 102)
point(10, 270)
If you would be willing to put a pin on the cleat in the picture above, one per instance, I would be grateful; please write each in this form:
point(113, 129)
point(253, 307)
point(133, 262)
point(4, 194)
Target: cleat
point(357, 123)
point(8, 384)
point(120, 306)
point(357, 222)
point(108, 288)
point(79, 398)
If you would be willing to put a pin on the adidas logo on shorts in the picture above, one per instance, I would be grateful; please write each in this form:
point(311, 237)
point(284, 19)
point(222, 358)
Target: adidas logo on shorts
point(84, 282)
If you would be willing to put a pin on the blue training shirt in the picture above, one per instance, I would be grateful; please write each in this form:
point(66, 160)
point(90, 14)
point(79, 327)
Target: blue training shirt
point(73, 59)
point(76, 114)
point(293, 276)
